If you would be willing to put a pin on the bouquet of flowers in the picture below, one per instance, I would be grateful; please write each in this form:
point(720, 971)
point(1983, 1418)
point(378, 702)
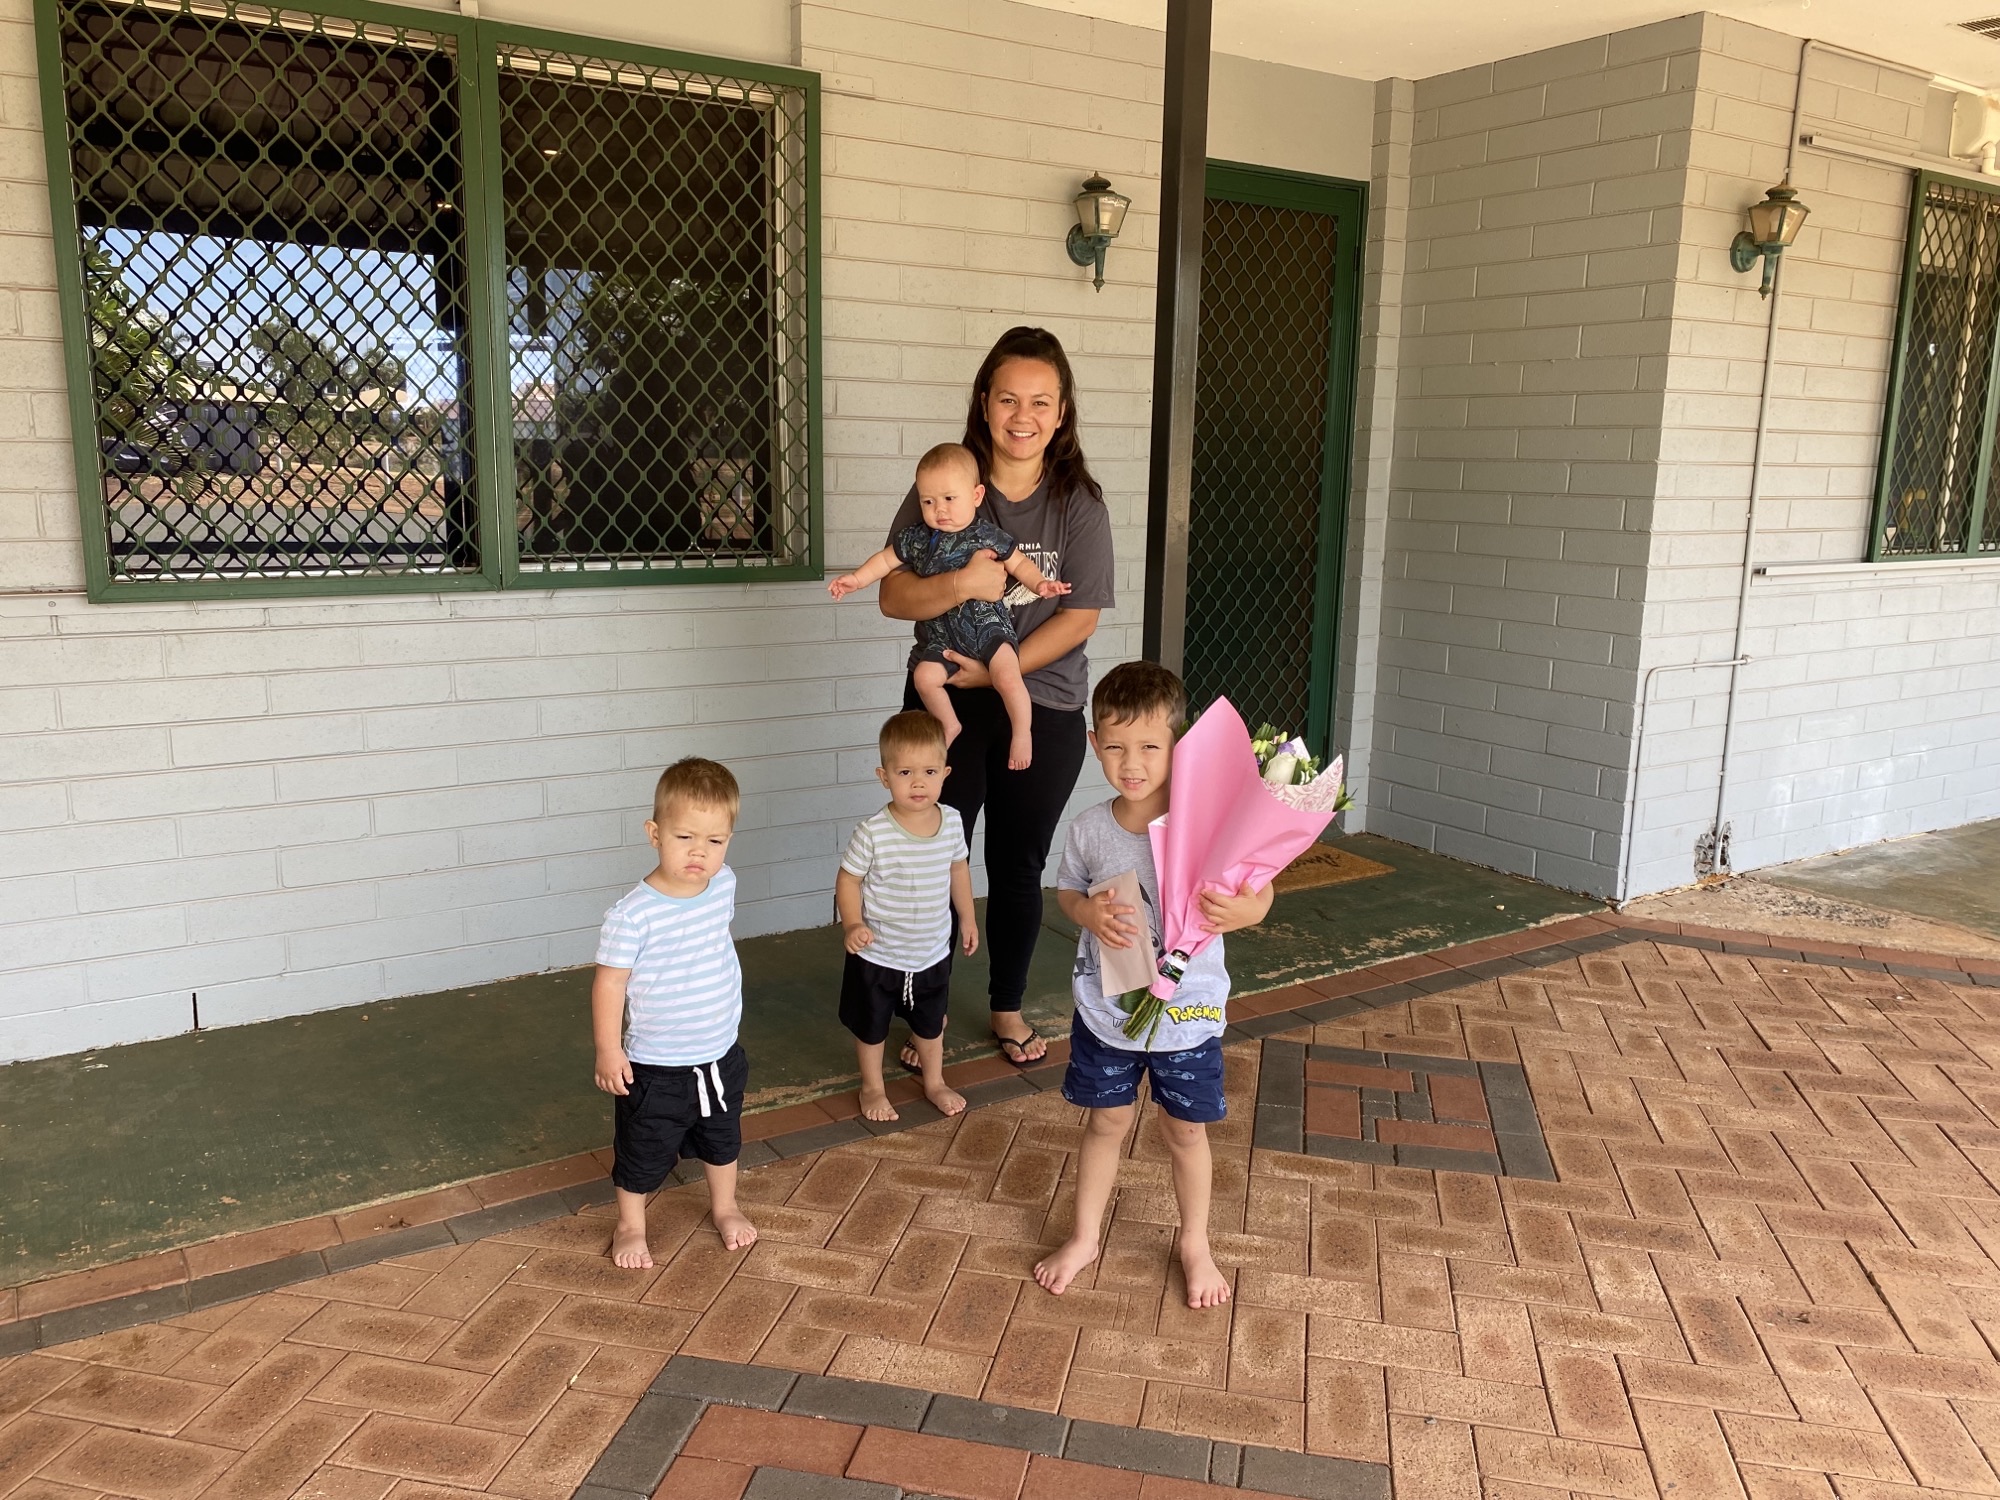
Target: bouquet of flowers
point(1240, 811)
point(1288, 769)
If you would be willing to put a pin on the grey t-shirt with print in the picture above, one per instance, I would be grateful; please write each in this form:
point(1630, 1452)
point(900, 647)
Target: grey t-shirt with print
point(1070, 541)
point(1098, 849)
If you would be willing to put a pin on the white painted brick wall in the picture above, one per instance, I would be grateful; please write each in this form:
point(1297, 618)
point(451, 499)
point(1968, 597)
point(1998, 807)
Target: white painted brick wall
point(1542, 249)
point(292, 805)
point(1872, 699)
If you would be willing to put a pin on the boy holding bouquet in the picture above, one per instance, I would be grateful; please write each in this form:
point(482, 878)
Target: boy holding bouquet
point(1136, 712)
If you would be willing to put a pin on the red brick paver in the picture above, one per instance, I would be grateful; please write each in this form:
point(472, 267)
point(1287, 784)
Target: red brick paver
point(1770, 1268)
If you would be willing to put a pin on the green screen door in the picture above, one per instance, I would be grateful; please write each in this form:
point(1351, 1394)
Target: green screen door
point(1280, 270)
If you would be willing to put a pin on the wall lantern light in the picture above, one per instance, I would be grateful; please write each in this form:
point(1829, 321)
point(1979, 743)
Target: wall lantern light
point(1100, 214)
point(1774, 224)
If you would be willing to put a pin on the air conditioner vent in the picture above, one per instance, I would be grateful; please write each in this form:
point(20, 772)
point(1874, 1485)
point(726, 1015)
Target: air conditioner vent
point(1990, 27)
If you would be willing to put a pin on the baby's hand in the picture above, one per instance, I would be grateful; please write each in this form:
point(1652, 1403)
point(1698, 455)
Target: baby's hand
point(1048, 588)
point(858, 937)
point(614, 1072)
point(844, 585)
point(969, 937)
point(1107, 920)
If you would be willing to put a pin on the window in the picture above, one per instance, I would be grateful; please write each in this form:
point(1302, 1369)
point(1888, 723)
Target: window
point(358, 306)
point(1936, 493)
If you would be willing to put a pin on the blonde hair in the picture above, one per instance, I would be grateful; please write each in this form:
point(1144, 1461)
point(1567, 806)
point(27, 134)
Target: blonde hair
point(954, 454)
point(913, 730)
point(698, 783)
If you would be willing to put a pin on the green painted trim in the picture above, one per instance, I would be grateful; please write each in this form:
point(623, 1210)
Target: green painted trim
point(486, 312)
point(1346, 203)
point(72, 305)
point(478, 44)
point(1892, 410)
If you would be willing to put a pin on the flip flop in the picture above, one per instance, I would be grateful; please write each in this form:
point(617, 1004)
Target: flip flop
point(1019, 1056)
point(907, 1056)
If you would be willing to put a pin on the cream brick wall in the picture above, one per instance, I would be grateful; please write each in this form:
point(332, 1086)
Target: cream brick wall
point(1872, 704)
point(291, 805)
point(1543, 242)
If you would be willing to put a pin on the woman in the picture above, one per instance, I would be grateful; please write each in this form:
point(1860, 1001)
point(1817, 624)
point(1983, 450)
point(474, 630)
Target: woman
point(1021, 425)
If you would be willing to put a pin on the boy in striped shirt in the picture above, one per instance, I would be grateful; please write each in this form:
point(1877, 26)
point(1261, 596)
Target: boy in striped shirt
point(664, 1009)
point(905, 872)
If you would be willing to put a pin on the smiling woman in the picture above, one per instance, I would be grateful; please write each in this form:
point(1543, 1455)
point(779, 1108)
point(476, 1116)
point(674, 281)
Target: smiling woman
point(1021, 425)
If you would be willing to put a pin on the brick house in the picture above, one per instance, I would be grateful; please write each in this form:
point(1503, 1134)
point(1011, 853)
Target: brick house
point(291, 772)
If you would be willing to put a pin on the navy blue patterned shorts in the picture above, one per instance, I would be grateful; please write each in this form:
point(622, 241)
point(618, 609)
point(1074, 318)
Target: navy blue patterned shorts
point(1188, 1085)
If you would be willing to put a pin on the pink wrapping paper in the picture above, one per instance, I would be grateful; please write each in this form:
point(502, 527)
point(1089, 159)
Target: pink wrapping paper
point(1223, 828)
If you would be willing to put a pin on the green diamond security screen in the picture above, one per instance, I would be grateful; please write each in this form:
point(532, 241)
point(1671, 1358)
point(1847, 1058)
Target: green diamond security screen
point(1279, 260)
point(1940, 458)
point(363, 299)
point(656, 296)
point(270, 251)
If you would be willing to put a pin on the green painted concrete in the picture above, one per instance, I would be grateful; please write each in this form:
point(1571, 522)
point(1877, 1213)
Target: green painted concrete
point(1952, 875)
point(110, 1154)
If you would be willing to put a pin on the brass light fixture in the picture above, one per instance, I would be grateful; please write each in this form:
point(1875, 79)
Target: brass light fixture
point(1100, 214)
point(1774, 225)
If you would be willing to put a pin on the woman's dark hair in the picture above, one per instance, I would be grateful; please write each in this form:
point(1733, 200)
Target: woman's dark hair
point(1062, 462)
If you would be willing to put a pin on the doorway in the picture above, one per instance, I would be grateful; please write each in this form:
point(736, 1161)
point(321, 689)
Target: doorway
point(1274, 382)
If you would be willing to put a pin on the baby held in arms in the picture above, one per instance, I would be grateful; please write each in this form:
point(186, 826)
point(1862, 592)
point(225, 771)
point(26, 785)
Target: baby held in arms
point(952, 532)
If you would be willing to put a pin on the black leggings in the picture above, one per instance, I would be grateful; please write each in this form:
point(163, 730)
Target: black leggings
point(1026, 807)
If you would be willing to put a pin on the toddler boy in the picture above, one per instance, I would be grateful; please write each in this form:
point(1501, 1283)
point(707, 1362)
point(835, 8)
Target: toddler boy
point(1136, 711)
point(951, 533)
point(667, 977)
point(905, 873)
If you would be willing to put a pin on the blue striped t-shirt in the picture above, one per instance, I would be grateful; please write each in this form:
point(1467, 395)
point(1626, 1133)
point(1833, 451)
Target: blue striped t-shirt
point(684, 1000)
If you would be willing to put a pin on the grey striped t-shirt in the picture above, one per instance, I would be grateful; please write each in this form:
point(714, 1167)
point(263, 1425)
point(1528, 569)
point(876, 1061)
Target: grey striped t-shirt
point(906, 888)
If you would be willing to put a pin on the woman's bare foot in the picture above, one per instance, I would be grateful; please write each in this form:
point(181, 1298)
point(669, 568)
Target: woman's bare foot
point(737, 1232)
point(908, 1057)
point(875, 1105)
point(1206, 1285)
point(946, 1101)
point(1057, 1272)
point(1020, 751)
point(628, 1249)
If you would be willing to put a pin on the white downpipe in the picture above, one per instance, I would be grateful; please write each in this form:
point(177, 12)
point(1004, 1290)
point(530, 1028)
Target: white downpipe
point(1761, 442)
point(1623, 890)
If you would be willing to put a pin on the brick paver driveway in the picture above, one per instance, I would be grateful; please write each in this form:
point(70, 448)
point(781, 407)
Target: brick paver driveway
point(1767, 1269)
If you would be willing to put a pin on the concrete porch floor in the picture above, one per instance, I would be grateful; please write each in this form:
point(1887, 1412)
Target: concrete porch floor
point(1768, 1269)
point(1932, 892)
point(114, 1154)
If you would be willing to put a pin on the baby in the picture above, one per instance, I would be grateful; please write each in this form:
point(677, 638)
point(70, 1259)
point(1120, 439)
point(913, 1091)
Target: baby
point(952, 531)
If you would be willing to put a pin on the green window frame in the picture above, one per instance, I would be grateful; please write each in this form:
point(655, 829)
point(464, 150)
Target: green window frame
point(1939, 469)
point(359, 299)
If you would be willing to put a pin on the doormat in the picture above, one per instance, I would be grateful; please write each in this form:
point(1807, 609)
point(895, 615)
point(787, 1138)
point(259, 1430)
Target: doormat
point(1325, 865)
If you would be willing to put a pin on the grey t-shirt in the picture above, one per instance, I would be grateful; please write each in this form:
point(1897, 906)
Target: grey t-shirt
point(1071, 543)
point(1097, 850)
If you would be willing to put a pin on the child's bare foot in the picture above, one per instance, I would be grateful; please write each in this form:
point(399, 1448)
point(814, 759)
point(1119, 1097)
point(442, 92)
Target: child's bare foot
point(1020, 752)
point(1206, 1285)
point(875, 1105)
point(945, 1101)
point(737, 1232)
point(1057, 1272)
point(951, 730)
point(628, 1249)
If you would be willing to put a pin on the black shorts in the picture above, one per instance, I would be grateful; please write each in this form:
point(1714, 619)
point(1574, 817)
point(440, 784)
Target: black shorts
point(660, 1119)
point(870, 996)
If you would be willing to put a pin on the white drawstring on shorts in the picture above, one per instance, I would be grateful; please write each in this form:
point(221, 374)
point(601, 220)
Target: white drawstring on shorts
point(701, 1087)
point(909, 990)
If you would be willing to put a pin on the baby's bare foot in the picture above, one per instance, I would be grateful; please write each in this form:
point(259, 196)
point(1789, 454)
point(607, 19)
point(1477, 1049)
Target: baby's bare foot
point(1020, 752)
point(628, 1249)
point(1206, 1285)
point(946, 1101)
point(1057, 1272)
point(737, 1232)
point(875, 1105)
